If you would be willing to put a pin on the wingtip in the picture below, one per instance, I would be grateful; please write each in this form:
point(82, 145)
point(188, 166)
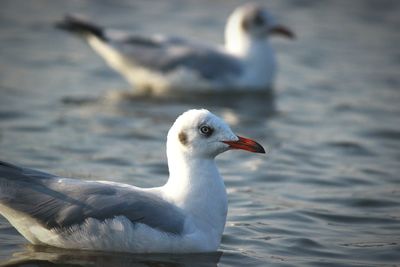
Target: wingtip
point(80, 25)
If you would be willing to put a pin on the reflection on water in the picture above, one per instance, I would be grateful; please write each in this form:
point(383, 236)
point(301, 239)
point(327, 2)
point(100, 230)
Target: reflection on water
point(257, 104)
point(45, 256)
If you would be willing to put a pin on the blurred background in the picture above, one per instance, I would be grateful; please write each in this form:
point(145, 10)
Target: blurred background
point(327, 193)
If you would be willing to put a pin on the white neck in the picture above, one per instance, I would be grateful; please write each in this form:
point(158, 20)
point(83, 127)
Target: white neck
point(196, 186)
point(256, 54)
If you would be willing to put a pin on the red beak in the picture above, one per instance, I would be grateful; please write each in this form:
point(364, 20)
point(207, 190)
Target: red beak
point(245, 144)
point(282, 30)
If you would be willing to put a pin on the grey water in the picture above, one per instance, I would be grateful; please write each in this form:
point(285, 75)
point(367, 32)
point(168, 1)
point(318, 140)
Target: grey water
point(326, 194)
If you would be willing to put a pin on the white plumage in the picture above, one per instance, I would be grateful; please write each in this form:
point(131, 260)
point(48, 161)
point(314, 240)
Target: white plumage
point(187, 214)
point(160, 65)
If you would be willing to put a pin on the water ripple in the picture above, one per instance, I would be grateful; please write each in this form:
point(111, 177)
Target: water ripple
point(350, 219)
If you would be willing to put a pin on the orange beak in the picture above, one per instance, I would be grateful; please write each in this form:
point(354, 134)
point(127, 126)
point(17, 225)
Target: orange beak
point(283, 31)
point(245, 144)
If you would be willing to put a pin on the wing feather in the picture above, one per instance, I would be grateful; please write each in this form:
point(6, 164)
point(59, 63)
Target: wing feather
point(61, 202)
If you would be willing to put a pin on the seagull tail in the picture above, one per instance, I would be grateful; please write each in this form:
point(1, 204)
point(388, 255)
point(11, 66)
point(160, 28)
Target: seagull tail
point(80, 26)
point(15, 174)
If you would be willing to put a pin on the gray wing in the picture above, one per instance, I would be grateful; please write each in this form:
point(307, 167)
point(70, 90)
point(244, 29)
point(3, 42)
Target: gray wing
point(160, 53)
point(63, 204)
point(168, 54)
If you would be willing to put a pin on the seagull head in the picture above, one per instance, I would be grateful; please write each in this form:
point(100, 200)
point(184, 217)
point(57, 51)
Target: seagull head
point(253, 22)
point(199, 133)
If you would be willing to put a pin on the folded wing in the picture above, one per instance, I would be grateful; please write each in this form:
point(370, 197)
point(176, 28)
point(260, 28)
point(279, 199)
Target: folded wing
point(59, 203)
point(160, 53)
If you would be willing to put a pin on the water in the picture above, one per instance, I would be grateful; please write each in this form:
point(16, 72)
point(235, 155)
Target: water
point(328, 192)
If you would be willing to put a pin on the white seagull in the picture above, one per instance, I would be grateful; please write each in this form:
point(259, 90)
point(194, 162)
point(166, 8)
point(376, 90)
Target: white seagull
point(159, 64)
point(185, 215)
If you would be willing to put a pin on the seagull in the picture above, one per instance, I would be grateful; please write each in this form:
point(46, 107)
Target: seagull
point(160, 64)
point(186, 215)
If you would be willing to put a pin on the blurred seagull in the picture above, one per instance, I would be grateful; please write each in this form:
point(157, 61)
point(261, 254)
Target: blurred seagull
point(159, 64)
point(185, 215)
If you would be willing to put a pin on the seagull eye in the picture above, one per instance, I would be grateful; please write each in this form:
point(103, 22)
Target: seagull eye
point(206, 130)
point(258, 20)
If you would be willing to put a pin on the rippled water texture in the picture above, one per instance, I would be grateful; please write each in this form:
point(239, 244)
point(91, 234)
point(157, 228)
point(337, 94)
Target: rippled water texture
point(328, 192)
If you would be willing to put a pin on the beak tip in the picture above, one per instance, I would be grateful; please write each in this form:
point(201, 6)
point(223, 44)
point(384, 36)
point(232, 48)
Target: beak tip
point(259, 149)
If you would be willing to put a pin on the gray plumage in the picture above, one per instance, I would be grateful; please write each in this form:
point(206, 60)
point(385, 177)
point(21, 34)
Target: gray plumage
point(160, 53)
point(60, 205)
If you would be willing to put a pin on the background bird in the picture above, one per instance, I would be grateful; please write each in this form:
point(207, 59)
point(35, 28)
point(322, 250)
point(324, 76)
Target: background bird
point(159, 64)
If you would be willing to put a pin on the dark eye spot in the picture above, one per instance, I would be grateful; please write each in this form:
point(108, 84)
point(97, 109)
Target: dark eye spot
point(258, 19)
point(206, 130)
point(183, 138)
point(245, 25)
point(254, 17)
